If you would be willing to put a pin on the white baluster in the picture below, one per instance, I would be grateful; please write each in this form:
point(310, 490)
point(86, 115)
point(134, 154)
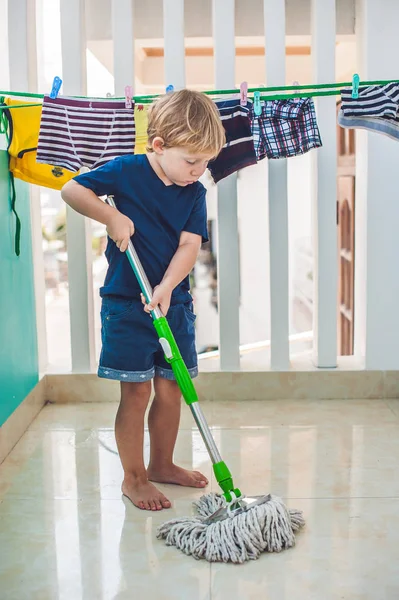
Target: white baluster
point(173, 31)
point(274, 16)
point(23, 78)
point(377, 201)
point(228, 243)
point(80, 275)
point(325, 190)
point(123, 40)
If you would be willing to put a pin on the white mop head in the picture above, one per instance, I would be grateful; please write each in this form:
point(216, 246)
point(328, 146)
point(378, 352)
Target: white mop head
point(267, 527)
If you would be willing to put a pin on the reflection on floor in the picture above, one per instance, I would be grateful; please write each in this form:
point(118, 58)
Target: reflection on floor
point(66, 533)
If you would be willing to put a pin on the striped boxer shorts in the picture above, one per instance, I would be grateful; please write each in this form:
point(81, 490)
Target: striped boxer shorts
point(376, 109)
point(238, 152)
point(76, 133)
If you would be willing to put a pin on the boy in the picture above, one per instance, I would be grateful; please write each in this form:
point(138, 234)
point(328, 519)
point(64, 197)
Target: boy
point(160, 200)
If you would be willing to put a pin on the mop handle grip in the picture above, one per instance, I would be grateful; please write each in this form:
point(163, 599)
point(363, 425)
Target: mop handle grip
point(138, 270)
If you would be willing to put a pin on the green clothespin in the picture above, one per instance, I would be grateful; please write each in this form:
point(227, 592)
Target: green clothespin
point(257, 105)
point(355, 86)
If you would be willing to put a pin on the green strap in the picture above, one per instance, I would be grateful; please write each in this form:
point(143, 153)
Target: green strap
point(17, 219)
point(8, 107)
point(4, 129)
point(293, 88)
point(3, 119)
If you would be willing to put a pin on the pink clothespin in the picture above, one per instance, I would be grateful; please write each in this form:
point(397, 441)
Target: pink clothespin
point(128, 96)
point(244, 93)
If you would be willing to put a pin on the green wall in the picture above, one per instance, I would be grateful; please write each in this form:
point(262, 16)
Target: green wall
point(18, 337)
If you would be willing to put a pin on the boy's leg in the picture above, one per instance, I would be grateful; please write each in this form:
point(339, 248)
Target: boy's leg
point(163, 423)
point(129, 433)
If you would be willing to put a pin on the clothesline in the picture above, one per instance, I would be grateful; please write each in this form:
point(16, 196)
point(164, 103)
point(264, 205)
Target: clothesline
point(51, 146)
point(324, 89)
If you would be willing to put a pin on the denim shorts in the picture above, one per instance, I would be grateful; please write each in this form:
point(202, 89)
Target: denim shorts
point(130, 347)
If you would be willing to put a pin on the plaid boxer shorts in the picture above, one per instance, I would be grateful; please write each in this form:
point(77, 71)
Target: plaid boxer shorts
point(285, 128)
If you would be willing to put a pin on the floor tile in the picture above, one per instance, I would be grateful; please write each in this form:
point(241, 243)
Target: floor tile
point(348, 550)
point(68, 464)
point(81, 550)
point(96, 415)
point(313, 462)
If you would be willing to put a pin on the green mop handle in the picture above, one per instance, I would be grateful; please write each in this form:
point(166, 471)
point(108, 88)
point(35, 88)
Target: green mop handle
point(184, 381)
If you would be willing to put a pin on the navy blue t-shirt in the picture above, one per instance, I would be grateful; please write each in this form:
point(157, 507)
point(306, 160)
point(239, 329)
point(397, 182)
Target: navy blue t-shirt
point(159, 212)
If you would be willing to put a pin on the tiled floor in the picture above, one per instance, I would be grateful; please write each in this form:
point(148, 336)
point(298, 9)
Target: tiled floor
point(66, 533)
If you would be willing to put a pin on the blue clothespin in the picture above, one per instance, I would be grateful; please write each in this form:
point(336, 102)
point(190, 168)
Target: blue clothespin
point(170, 88)
point(355, 86)
point(56, 87)
point(257, 106)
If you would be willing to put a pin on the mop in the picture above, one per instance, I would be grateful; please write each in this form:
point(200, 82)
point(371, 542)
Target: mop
point(230, 527)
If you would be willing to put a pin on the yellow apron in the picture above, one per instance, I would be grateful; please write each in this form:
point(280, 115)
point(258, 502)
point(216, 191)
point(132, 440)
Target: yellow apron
point(141, 123)
point(24, 125)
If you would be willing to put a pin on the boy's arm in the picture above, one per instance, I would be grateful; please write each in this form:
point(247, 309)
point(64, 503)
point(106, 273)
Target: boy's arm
point(180, 266)
point(84, 201)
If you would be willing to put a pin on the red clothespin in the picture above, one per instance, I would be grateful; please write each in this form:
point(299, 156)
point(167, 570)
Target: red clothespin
point(128, 96)
point(244, 93)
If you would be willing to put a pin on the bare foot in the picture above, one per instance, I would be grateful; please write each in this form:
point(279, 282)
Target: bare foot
point(174, 474)
point(144, 495)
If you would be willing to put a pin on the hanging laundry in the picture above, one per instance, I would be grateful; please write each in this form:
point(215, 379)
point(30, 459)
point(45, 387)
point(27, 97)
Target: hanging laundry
point(238, 152)
point(23, 133)
point(141, 123)
point(375, 109)
point(76, 133)
point(285, 128)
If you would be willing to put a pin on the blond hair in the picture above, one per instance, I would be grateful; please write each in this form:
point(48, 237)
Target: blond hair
point(187, 119)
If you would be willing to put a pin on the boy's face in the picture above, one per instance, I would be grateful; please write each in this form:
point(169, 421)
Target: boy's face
point(181, 166)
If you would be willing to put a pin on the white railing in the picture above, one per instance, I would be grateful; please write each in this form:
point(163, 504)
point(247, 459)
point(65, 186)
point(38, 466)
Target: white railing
point(375, 326)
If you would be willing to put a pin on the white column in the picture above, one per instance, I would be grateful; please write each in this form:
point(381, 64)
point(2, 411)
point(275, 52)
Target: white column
point(23, 78)
point(4, 63)
point(123, 39)
point(228, 248)
point(377, 199)
point(80, 276)
point(274, 17)
point(173, 32)
point(325, 190)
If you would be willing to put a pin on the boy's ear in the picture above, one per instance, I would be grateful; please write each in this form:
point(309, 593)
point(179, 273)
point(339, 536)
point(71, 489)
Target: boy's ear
point(158, 145)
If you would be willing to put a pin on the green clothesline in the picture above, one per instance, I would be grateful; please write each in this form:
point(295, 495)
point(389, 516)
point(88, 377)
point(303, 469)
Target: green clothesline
point(330, 89)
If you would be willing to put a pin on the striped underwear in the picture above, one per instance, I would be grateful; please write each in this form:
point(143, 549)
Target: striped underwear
point(77, 133)
point(238, 152)
point(376, 109)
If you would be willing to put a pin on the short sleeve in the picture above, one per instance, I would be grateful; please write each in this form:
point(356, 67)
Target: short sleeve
point(197, 221)
point(103, 181)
